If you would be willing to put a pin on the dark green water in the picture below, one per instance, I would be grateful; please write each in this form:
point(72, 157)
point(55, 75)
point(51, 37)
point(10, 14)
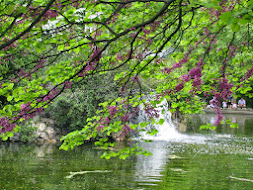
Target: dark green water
point(199, 161)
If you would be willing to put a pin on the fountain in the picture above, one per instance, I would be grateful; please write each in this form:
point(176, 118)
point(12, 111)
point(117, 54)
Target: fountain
point(167, 131)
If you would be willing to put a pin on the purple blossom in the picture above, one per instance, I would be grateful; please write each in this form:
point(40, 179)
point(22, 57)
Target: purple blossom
point(100, 127)
point(185, 78)
point(120, 57)
point(196, 82)
point(126, 129)
point(232, 52)
point(200, 63)
point(206, 31)
point(106, 120)
point(125, 118)
point(167, 70)
point(219, 116)
point(6, 125)
point(89, 67)
point(195, 72)
point(68, 84)
point(179, 87)
point(150, 111)
point(96, 54)
point(38, 110)
point(112, 110)
point(135, 78)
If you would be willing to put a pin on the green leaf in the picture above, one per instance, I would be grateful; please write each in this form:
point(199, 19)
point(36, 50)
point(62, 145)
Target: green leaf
point(208, 126)
point(234, 125)
point(60, 47)
point(161, 121)
point(226, 17)
point(235, 27)
point(9, 98)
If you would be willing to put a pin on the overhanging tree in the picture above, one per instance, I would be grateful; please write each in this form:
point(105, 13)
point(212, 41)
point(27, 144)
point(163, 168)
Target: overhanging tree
point(49, 46)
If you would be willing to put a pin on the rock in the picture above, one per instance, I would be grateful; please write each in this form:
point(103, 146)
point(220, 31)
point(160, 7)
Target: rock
point(48, 121)
point(45, 131)
point(41, 127)
point(51, 141)
point(44, 136)
point(40, 141)
point(50, 132)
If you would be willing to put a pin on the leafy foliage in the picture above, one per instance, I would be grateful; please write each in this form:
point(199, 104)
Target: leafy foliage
point(72, 108)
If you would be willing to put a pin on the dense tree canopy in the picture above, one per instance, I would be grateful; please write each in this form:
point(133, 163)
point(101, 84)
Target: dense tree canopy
point(181, 50)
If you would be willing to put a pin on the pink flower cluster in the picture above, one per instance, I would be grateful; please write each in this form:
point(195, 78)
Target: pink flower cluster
point(206, 31)
point(39, 110)
point(195, 72)
point(196, 82)
point(179, 87)
point(232, 52)
point(125, 130)
point(88, 67)
point(135, 79)
point(112, 110)
point(23, 73)
point(114, 17)
point(225, 6)
point(13, 45)
point(50, 14)
point(40, 64)
point(120, 57)
point(179, 63)
point(25, 111)
point(154, 25)
point(6, 125)
point(53, 92)
point(219, 116)
point(200, 63)
point(225, 88)
point(126, 117)
point(67, 84)
point(213, 40)
point(96, 56)
point(151, 111)
point(104, 122)
point(100, 127)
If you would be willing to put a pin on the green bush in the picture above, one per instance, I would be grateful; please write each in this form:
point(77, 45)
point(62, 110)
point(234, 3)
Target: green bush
point(72, 108)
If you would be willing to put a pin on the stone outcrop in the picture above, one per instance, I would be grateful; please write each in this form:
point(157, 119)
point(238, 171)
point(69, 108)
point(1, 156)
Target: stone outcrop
point(44, 131)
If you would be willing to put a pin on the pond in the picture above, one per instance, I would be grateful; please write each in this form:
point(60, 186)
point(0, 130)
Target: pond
point(220, 159)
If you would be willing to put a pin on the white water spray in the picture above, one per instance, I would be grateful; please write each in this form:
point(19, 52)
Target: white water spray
point(167, 131)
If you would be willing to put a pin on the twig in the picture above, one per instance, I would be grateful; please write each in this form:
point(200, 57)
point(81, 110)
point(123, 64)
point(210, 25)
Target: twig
point(241, 179)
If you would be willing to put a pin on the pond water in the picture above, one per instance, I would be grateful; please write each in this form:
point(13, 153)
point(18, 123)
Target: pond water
point(220, 159)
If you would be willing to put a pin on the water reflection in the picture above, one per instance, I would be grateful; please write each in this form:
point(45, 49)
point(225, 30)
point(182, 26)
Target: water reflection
point(148, 169)
point(202, 162)
point(244, 122)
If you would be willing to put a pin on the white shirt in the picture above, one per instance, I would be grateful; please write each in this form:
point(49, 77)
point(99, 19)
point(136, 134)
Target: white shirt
point(241, 102)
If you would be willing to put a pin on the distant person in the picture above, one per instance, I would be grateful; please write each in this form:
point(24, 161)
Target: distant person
point(234, 105)
point(224, 104)
point(230, 102)
point(241, 103)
